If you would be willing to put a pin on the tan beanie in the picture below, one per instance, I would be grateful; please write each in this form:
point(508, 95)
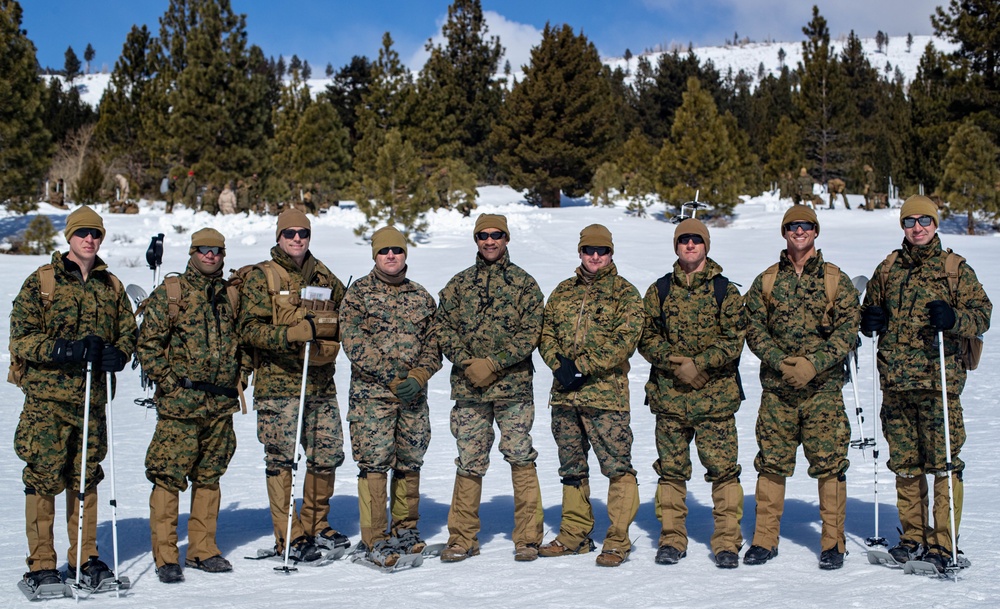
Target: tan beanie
point(597, 235)
point(209, 237)
point(799, 213)
point(289, 218)
point(919, 205)
point(692, 226)
point(83, 217)
point(387, 236)
point(485, 221)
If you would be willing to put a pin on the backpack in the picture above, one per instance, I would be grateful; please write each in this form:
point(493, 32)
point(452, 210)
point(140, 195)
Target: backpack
point(720, 284)
point(970, 348)
point(46, 288)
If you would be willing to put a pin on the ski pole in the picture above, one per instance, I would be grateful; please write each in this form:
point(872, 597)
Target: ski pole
point(83, 471)
point(862, 442)
point(295, 460)
point(947, 451)
point(114, 501)
point(877, 540)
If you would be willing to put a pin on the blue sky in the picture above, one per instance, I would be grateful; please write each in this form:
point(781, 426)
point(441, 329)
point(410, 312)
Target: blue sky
point(331, 31)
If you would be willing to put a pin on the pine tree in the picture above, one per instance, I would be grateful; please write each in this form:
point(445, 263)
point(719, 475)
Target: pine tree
point(25, 144)
point(970, 174)
point(65, 111)
point(557, 124)
point(394, 191)
point(40, 236)
point(933, 97)
point(453, 185)
point(71, 67)
point(638, 176)
point(287, 116)
point(88, 56)
point(321, 154)
point(784, 151)
point(386, 105)
point(348, 89)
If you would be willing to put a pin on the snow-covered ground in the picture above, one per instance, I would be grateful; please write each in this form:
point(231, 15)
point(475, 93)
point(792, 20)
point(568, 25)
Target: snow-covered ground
point(544, 243)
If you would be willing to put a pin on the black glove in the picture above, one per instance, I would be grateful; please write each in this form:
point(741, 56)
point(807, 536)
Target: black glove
point(942, 316)
point(86, 349)
point(873, 320)
point(112, 359)
point(568, 375)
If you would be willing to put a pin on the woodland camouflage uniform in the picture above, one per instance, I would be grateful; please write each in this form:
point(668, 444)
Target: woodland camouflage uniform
point(277, 380)
point(387, 330)
point(712, 336)
point(49, 433)
point(909, 366)
point(492, 310)
point(596, 324)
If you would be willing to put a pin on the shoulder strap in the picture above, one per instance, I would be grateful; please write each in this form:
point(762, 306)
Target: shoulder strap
point(767, 281)
point(233, 293)
point(275, 276)
point(172, 284)
point(951, 269)
point(662, 291)
point(46, 284)
point(720, 283)
point(831, 281)
point(883, 275)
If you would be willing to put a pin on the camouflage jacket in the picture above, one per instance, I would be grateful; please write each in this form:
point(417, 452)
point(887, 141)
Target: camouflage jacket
point(278, 364)
point(696, 327)
point(202, 344)
point(598, 327)
point(386, 329)
point(791, 324)
point(79, 308)
point(908, 354)
point(491, 310)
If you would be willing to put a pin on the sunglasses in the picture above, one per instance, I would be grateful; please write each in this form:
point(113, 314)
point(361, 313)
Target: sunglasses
point(215, 250)
point(921, 220)
point(394, 249)
point(289, 233)
point(685, 239)
point(794, 226)
point(83, 233)
point(495, 235)
point(600, 250)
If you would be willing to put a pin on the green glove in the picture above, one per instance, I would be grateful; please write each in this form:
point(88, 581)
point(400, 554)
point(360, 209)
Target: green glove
point(408, 390)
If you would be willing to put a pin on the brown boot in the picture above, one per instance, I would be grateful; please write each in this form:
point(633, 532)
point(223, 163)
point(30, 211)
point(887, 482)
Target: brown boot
point(279, 489)
point(832, 512)
point(770, 496)
point(39, 518)
point(940, 537)
point(671, 509)
point(911, 503)
point(577, 521)
point(463, 519)
point(404, 501)
point(623, 504)
point(727, 514)
point(203, 523)
point(89, 547)
point(163, 508)
point(374, 521)
point(528, 514)
point(316, 502)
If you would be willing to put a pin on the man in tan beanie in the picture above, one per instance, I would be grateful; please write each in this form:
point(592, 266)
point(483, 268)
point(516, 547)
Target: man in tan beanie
point(189, 346)
point(802, 354)
point(489, 319)
point(388, 334)
point(593, 322)
point(277, 321)
point(692, 337)
point(70, 320)
point(919, 293)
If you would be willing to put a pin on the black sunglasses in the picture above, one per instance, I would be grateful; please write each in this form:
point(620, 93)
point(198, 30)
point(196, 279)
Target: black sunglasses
point(685, 239)
point(289, 233)
point(600, 250)
point(495, 235)
point(394, 249)
point(83, 233)
point(921, 220)
point(794, 226)
point(215, 250)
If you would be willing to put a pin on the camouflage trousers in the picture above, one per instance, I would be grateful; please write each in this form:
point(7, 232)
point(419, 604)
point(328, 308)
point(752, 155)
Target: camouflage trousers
point(913, 426)
point(818, 422)
point(386, 435)
point(198, 450)
point(49, 439)
point(472, 427)
point(715, 440)
point(576, 429)
point(322, 432)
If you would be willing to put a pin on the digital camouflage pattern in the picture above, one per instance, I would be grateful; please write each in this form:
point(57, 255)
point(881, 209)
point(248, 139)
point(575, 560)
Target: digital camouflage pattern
point(908, 354)
point(190, 448)
point(278, 364)
point(472, 427)
point(696, 327)
point(491, 310)
point(816, 420)
point(717, 445)
point(913, 426)
point(322, 432)
point(578, 428)
point(598, 326)
point(387, 329)
point(48, 434)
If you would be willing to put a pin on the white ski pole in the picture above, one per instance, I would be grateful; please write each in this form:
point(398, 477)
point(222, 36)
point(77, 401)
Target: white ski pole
point(295, 460)
point(877, 540)
point(83, 471)
point(114, 501)
point(947, 452)
point(862, 442)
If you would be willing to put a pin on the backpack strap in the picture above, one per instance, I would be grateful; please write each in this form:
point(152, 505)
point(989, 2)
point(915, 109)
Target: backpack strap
point(831, 284)
point(767, 279)
point(172, 284)
point(46, 284)
point(276, 276)
point(951, 268)
point(663, 290)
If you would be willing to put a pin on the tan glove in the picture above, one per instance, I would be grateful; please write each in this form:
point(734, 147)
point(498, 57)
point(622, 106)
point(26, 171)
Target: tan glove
point(687, 373)
point(797, 371)
point(481, 371)
point(301, 332)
